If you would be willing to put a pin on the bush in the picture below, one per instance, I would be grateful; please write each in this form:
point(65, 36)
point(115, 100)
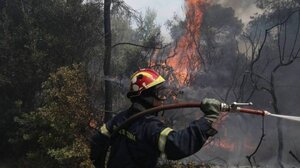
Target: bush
point(55, 133)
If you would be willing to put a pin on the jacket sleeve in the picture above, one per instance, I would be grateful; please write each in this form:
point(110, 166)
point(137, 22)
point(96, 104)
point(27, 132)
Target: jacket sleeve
point(183, 143)
point(99, 146)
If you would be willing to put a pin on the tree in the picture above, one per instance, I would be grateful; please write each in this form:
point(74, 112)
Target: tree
point(219, 31)
point(218, 47)
point(55, 133)
point(107, 59)
point(272, 60)
point(132, 48)
point(36, 38)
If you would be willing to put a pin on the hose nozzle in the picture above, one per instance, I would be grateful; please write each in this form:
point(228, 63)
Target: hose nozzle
point(234, 106)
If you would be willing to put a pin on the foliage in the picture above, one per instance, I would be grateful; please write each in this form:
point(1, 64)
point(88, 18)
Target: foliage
point(40, 37)
point(148, 32)
point(55, 132)
point(218, 38)
point(132, 49)
point(271, 6)
point(219, 30)
point(128, 58)
point(36, 38)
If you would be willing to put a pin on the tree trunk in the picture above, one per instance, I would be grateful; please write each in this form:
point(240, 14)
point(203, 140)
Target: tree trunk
point(280, 143)
point(107, 60)
point(279, 132)
point(278, 123)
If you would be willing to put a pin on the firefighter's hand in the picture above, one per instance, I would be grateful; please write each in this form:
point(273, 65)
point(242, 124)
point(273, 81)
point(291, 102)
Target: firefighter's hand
point(93, 123)
point(211, 108)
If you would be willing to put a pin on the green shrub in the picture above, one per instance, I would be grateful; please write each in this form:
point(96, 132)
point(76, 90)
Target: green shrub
point(55, 133)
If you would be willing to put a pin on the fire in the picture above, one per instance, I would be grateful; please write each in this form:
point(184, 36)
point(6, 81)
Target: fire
point(184, 58)
point(231, 145)
point(225, 144)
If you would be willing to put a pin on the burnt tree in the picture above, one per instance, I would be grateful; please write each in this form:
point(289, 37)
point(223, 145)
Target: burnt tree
point(107, 59)
point(267, 64)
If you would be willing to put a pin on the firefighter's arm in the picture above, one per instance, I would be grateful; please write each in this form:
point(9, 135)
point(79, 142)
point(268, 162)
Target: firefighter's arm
point(179, 144)
point(99, 146)
point(183, 143)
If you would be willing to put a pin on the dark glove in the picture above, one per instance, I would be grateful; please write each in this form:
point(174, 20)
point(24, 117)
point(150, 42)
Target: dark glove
point(211, 108)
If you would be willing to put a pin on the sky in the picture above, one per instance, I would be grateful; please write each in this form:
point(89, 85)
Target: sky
point(166, 9)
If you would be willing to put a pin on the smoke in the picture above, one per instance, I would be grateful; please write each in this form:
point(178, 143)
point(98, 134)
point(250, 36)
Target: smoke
point(239, 134)
point(244, 9)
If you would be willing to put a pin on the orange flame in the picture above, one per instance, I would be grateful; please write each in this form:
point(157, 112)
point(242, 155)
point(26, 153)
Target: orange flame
point(229, 144)
point(184, 58)
point(225, 144)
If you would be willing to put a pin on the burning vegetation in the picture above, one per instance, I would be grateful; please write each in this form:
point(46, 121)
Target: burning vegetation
point(184, 58)
point(216, 55)
point(236, 143)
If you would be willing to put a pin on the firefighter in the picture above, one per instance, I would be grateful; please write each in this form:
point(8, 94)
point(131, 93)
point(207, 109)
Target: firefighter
point(146, 139)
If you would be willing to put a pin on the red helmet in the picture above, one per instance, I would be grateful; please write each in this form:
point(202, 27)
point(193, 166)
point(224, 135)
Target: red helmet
point(142, 80)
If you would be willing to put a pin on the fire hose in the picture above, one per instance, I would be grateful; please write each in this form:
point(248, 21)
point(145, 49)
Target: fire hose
point(234, 107)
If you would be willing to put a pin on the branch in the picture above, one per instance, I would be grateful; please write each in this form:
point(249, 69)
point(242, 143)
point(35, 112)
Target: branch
point(173, 50)
point(266, 33)
point(294, 156)
point(260, 141)
point(296, 37)
point(258, 76)
point(121, 7)
point(139, 45)
point(255, 60)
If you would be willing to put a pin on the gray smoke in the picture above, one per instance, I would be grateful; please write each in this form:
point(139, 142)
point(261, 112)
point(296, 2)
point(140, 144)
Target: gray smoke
point(239, 134)
point(244, 9)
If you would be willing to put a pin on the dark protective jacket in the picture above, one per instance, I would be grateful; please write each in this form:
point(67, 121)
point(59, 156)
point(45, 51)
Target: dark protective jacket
point(145, 140)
